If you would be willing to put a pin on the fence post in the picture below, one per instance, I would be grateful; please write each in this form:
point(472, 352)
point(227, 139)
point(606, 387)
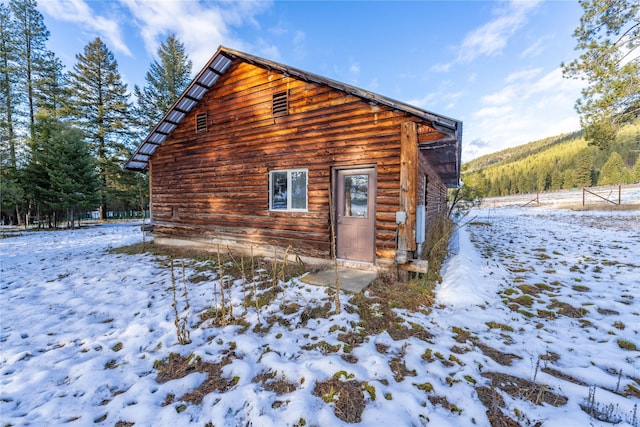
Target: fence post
point(619, 194)
point(583, 197)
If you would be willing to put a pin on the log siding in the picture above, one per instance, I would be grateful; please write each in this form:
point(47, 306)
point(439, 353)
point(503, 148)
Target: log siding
point(213, 185)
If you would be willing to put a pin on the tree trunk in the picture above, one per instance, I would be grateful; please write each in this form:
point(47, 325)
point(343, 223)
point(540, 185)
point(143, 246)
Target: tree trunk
point(103, 194)
point(18, 215)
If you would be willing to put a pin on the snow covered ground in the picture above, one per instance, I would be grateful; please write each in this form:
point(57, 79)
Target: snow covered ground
point(538, 311)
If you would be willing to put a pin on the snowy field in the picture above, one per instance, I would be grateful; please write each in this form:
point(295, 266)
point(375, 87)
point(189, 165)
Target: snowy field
point(536, 323)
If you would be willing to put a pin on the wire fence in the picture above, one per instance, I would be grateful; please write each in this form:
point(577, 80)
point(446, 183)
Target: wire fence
point(596, 197)
point(112, 215)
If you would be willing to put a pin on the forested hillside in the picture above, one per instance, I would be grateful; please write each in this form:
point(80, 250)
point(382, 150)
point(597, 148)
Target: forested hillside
point(561, 162)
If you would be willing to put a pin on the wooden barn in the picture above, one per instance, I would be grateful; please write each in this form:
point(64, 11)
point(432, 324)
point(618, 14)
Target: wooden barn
point(256, 154)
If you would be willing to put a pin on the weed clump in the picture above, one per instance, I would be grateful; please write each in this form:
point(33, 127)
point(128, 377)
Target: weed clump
point(436, 247)
point(626, 345)
point(346, 396)
point(520, 388)
point(608, 413)
point(177, 366)
point(271, 382)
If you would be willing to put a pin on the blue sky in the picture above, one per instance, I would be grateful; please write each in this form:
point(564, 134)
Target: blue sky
point(495, 65)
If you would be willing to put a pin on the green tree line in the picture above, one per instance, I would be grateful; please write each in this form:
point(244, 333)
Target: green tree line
point(563, 162)
point(65, 135)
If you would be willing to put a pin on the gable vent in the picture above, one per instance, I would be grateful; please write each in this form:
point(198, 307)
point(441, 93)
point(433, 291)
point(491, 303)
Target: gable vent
point(280, 106)
point(201, 122)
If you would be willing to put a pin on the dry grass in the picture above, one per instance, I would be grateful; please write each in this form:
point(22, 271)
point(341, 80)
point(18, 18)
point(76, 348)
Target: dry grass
point(505, 359)
point(415, 295)
point(271, 382)
point(563, 376)
point(519, 388)
point(568, 310)
point(233, 265)
point(399, 369)
point(177, 366)
point(377, 315)
point(493, 401)
point(600, 206)
point(626, 345)
point(347, 397)
point(444, 402)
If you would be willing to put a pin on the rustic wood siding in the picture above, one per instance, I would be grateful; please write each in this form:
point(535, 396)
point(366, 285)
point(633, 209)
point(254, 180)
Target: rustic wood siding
point(435, 196)
point(214, 184)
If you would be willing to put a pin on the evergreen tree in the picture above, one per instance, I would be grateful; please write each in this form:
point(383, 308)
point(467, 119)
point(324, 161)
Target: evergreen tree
point(609, 38)
point(544, 179)
point(50, 88)
point(167, 78)
point(614, 171)
point(569, 179)
point(635, 172)
point(99, 102)
point(61, 171)
point(9, 94)
point(583, 168)
point(556, 180)
point(31, 50)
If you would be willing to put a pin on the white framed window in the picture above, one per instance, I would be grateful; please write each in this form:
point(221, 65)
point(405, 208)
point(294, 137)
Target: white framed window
point(288, 190)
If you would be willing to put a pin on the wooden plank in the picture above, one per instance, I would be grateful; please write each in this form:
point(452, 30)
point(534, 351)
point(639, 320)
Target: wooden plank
point(408, 186)
point(416, 266)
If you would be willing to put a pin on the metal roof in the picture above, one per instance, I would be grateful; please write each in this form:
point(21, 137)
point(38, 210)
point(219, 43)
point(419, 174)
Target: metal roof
point(221, 61)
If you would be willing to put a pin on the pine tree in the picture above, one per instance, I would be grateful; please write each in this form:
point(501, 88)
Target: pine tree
point(556, 180)
point(569, 179)
point(50, 89)
point(61, 170)
point(9, 93)
point(167, 78)
point(609, 38)
point(635, 172)
point(99, 102)
point(31, 50)
point(583, 168)
point(614, 171)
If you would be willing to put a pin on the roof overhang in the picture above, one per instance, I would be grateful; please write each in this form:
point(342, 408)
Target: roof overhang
point(444, 153)
point(445, 157)
point(203, 82)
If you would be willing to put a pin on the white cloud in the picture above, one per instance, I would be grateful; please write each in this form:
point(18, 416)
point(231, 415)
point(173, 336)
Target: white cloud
point(534, 50)
point(202, 27)
point(503, 96)
point(494, 113)
point(530, 107)
point(492, 37)
point(299, 37)
point(79, 12)
point(268, 50)
point(523, 74)
point(441, 99)
point(441, 68)
point(426, 102)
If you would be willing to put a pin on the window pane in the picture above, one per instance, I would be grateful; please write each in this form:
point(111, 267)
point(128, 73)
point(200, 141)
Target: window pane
point(279, 190)
point(299, 190)
point(356, 191)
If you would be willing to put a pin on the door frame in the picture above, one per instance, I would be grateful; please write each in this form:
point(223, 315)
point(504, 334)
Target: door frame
point(373, 187)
